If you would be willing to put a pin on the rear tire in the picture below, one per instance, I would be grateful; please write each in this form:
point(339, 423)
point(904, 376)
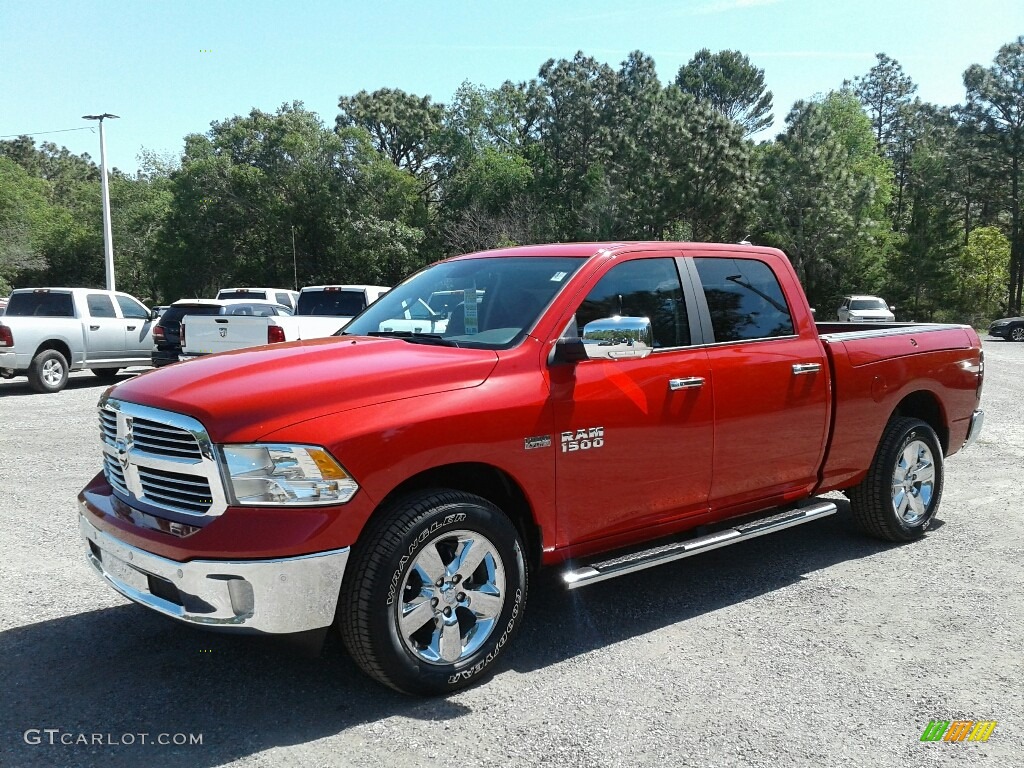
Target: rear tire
point(48, 372)
point(106, 374)
point(898, 499)
point(434, 590)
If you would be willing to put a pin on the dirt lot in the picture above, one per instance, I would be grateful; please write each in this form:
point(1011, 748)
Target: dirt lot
point(811, 647)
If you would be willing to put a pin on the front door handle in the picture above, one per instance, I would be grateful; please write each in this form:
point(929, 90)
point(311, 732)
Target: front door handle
point(802, 368)
point(691, 382)
point(94, 327)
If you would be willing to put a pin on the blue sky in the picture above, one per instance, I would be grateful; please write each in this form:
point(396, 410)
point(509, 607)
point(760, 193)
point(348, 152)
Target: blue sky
point(169, 68)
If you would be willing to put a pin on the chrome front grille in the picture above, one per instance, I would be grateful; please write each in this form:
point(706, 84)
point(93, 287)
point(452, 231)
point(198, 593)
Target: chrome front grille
point(172, 488)
point(159, 460)
point(162, 440)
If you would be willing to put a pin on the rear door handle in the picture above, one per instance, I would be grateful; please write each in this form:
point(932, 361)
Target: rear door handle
point(132, 327)
point(94, 327)
point(802, 368)
point(691, 382)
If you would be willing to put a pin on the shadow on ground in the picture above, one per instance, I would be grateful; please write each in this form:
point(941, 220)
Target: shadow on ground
point(124, 670)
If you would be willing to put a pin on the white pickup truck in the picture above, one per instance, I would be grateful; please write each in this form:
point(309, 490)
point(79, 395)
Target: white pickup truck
point(321, 311)
point(45, 333)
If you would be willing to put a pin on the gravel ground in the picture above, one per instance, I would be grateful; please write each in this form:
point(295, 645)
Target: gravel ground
point(812, 647)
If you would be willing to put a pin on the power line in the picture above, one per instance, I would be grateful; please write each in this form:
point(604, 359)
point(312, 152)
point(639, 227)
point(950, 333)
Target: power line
point(43, 133)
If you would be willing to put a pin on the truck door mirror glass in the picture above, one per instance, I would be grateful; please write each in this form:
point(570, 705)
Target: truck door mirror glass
point(615, 338)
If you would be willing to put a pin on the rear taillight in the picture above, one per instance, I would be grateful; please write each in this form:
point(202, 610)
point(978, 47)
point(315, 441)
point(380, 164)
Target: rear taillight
point(181, 336)
point(158, 333)
point(275, 334)
point(981, 374)
point(6, 337)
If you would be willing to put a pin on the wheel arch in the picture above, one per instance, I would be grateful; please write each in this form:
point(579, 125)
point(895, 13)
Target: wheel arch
point(57, 345)
point(486, 481)
point(924, 405)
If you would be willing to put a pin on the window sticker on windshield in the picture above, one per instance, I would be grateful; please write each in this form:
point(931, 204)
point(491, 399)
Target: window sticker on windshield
point(558, 277)
point(470, 307)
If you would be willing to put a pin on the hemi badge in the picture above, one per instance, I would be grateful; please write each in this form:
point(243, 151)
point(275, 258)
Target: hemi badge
point(543, 441)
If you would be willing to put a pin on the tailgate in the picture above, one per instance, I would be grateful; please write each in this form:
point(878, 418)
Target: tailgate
point(221, 333)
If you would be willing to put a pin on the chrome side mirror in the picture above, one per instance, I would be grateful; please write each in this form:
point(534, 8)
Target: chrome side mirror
point(616, 338)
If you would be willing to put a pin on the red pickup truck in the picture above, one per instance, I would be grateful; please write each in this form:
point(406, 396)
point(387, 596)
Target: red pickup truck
point(590, 408)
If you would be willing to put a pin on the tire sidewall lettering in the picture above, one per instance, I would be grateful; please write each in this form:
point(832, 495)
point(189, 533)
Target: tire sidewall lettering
point(492, 654)
point(422, 536)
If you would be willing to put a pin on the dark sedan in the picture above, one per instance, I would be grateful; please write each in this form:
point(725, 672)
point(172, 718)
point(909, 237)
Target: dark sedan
point(1011, 328)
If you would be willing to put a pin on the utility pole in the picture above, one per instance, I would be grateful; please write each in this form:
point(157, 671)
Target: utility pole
point(108, 243)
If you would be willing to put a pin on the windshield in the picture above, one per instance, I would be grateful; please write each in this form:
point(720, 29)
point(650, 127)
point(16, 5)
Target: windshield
point(485, 303)
point(868, 304)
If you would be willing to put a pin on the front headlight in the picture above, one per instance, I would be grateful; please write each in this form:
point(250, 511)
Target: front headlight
point(293, 475)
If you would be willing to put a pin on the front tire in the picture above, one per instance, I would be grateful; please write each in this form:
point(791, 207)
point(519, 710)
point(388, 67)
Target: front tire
point(1017, 334)
point(898, 499)
point(48, 372)
point(435, 590)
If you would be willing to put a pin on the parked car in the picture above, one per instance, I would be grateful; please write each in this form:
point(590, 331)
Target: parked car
point(585, 402)
point(167, 332)
point(865, 309)
point(322, 311)
point(283, 296)
point(48, 332)
point(1009, 328)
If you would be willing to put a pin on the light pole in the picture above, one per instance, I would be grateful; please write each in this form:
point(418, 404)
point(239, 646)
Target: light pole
point(108, 244)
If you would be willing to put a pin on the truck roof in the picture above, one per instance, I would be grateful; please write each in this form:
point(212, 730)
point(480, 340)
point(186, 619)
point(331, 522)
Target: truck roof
point(597, 248)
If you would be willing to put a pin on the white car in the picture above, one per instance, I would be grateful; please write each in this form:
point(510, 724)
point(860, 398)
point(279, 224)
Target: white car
point(865, 309)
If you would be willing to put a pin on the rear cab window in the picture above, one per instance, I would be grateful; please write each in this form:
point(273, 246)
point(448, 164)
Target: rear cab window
point(330, 302)
point(744, 299)
point(41, 304)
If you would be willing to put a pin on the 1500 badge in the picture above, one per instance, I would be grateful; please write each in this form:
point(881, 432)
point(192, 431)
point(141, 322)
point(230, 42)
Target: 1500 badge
point(582, 439)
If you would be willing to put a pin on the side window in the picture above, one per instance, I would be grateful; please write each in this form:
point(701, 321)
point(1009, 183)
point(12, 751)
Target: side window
point(744, 298)
point(283, 298)
point(641, 288)
point(131, 308)
point(100, 305)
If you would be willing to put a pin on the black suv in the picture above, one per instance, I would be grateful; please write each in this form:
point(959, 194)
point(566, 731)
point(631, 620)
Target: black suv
point(167, 332)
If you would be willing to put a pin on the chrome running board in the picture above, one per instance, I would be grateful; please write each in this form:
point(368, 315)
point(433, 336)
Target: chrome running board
point(666, 553)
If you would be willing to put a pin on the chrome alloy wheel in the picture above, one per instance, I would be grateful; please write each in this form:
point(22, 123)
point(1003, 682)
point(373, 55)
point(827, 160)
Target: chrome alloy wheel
point(52, 372)
point(451, 597)
point(913, 482)
point(1017, 334)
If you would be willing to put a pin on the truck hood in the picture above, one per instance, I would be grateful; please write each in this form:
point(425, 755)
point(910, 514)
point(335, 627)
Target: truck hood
point(241, 396)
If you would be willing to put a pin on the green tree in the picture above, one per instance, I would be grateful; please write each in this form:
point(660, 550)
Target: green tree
point(982, 274)
point(731, 85)
point(820, 198)
point(25, 212)
point(401, 126)
point(995, 112)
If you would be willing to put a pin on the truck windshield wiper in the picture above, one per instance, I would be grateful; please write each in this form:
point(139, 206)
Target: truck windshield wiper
point(416, 338)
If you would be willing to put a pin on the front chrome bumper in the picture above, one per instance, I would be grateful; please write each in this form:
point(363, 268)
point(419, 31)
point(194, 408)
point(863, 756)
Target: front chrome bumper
point(292, 594)
point(977, 422)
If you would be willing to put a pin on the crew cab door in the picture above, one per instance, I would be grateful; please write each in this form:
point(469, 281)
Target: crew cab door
point(771, 385)
point(138, 328)
point(633, 437)
point(104, 330)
